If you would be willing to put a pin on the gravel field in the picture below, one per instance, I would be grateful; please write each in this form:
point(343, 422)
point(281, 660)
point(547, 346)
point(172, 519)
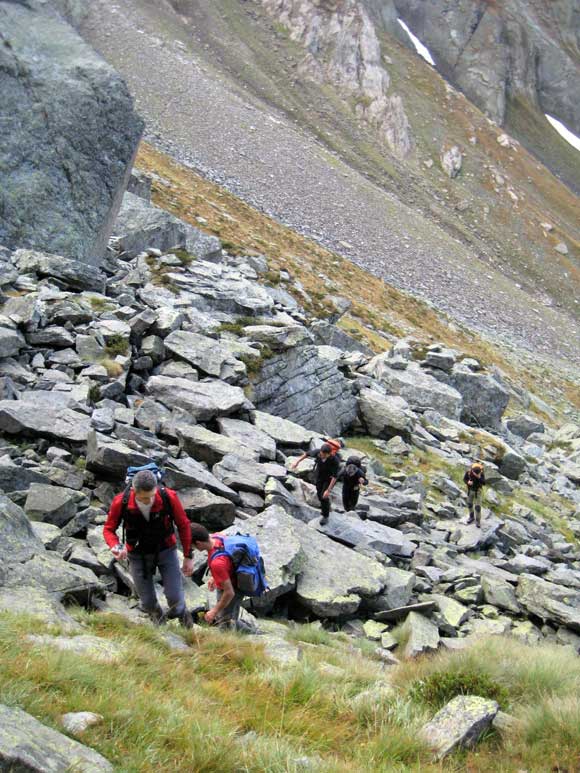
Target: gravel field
point(196, 115)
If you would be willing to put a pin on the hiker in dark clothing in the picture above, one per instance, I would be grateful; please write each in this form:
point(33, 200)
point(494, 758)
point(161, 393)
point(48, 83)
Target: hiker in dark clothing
point(326, 468)
point(149, 513)
point(353, 476)
point(474, 478)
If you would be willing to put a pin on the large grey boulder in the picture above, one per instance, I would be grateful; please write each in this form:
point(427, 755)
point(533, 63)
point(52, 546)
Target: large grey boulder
point(37, 602)
point(523, 426)
point(11, 341)
point(334, 579)
point(212, 511)
point(206, 354)
point(28, 745)
point(63, 580)
point(203, 400)
point(250, 436)
point(418, 388)
point(353, 532)
point(69, 135)
point(484, 398)
point(281, 550)
point(283, 431)
point(52, 504)
point(111, 457)
point(500, 594)
point(71, 273)
point(210, 447)
point(18, 542)
point(187, 473)
point(140, 225)
point(551, 603)
point(246, 475)
point(307, 389)
point(384, 416)
point(22, 417)
point(459, 724)
point(396, 593)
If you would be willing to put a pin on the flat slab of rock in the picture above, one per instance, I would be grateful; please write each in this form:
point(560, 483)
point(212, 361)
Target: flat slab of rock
point(550, 602)
point(187, 473)
point(210, 447)
point(22, 417)
point(384, 415)
point(204, 353)
point(204, 400)
point(459, 724)
point(245, 475)
point(400, 613)
point(111, 457)
point(37, 602)
point(18, 542)
point(351, 531)
point(249, 436)
point(283, 431)
point(28, 745)
point(49, 571)
point(214, 512)
point(95, 647)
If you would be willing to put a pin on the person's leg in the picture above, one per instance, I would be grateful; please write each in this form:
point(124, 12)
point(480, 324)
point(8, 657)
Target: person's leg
point(324, 502)
point(230, 616)
point(477, 500)
point(470, 505)
point(348, 498)
point(168, 563)
point(142, 569)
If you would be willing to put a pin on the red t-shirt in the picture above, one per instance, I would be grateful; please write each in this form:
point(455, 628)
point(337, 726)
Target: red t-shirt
point(222, 567)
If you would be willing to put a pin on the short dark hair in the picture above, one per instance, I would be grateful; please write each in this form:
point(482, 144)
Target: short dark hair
point(144, 480)
point(199, 533)
point(325, 448)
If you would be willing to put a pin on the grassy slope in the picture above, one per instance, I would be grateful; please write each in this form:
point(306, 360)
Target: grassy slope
point(378, 310)
point(224, 707)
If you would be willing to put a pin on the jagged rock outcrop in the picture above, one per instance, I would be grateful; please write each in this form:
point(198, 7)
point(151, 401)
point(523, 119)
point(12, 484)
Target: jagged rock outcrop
point(342, 46)
point(501, 52)
point(307, 389)
point(69, 135)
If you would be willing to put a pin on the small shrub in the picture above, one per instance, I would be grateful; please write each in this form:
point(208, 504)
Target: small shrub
point(439, 687)
point(116, 345)
point(114, 369)
point(185, 257)
point(94, 393)
point(98, 303)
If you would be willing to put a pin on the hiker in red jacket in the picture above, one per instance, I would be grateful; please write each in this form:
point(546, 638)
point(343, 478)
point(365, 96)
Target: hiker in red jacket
point(226, 613)
point(148, 520)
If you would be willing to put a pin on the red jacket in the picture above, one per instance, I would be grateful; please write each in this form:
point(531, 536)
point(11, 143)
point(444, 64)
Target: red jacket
point(134, 516)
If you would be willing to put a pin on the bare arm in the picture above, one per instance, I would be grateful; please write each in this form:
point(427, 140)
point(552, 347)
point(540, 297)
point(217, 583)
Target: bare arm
point(299, 461)
point(228, 594)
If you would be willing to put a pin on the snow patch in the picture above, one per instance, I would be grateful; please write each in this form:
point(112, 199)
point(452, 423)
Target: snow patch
point(420, 48)
point(564, 132)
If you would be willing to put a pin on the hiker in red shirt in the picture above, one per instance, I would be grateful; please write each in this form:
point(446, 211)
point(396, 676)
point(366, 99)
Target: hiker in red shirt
point(150, 544)
point(226, 612)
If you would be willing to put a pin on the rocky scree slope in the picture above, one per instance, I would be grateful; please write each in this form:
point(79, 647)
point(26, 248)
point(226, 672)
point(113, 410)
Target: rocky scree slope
point(174, 353)
point(305, 150)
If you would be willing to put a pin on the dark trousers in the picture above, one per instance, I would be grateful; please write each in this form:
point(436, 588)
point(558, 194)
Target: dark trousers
point(142, 568)
point(229, 617)
point(321, 487)
point(350, 497)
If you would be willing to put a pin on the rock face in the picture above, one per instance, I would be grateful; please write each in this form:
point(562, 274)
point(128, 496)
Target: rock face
point(307, 389)
point(69, 135)
point(484, 398)
point(459, 724)
point(28, 745)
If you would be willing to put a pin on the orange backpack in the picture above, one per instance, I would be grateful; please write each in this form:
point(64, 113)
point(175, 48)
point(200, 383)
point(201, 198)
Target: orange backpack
point(335, 445)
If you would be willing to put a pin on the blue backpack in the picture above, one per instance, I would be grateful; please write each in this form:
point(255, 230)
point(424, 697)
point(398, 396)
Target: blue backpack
point(248, 563)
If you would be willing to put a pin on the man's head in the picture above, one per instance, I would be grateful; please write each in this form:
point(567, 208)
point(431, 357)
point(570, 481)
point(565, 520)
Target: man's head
point(324, 451)
point(200, 537)
point(476, 468)
point(145, 486)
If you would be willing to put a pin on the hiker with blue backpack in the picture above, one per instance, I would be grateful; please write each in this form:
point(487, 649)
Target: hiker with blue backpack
point(148, 512)
point(236, 569)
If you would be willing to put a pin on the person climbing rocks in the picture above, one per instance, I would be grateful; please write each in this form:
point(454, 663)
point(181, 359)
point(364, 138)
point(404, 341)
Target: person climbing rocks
point(326, 467)
point(148, 512)
point(353, 476)
point(226, 612)
point(475, 480)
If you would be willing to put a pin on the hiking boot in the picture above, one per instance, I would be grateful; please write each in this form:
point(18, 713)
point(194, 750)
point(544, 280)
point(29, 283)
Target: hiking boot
point(323, 521)
point(157, 616)
point(186, 619)
point(469, 520)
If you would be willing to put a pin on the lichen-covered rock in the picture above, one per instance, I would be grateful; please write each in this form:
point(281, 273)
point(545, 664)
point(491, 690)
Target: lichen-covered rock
point(422, 635)
point(214, 512)
point(354, 532)
point(334, 579)
point(111, 457)
point(52, 504)
point(69, 135)
point(459, 724)
point(36, 601)
point(94, 647)
point(206, 354)
point(48, 570)
point(28, 745)
point(283, 431)
point(551, 603)
point(249, 436)
point(76, 722)
point(210, 447)
point(384, 415)
point(484, 398)
point(246, 475)
point(18, 542)
point(72, 273)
